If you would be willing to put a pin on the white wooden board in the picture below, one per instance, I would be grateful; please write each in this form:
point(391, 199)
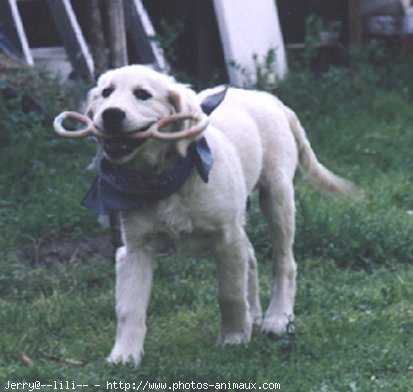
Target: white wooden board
point(248, 28)
point(160, 61)
point(20, 32)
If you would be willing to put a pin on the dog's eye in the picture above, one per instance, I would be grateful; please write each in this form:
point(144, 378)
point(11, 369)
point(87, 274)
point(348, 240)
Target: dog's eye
point(142, 94)
point(107, 91)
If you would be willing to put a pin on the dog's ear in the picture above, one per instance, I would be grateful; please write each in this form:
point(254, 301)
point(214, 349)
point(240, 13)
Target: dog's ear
point(91, 101)
point(211, 102)
point(184, 100)
point(174, 98)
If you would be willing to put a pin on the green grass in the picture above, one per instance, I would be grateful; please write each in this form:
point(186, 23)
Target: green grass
point(352, 329)
point(354, 318)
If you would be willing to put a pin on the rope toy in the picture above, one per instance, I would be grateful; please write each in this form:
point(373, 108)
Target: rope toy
point(154, 131)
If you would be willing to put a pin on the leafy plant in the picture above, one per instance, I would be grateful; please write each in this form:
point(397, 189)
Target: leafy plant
point(313, 26)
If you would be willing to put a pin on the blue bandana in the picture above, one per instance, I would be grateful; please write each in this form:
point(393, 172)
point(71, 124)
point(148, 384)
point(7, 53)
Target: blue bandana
point(120, 188)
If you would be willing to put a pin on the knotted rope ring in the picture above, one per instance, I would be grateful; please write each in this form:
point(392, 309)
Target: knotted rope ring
point(154, 131)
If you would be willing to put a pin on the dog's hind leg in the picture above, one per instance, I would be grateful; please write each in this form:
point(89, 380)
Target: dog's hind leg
point(233, 258)
point(253, 287)
point(134, 272)
point(277, 204)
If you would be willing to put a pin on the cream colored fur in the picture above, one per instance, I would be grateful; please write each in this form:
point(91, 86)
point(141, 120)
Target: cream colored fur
point(257, 143)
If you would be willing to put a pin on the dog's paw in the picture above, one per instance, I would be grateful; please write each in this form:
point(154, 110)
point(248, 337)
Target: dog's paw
point(275, 326)
point(119, 356)
point(256, 316)
point(234, 338)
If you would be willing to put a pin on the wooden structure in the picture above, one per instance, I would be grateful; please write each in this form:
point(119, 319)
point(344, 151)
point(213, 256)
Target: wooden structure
point(72, 37)
point(127, 19)
point(12, 24)
point(142, 34)
point(355, 22)
point(250, 29)
point(125, 30)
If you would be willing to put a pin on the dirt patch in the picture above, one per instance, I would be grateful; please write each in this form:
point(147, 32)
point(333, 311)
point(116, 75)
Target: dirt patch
point(65, 247)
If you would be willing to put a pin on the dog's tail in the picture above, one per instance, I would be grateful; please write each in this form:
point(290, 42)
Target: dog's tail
point(310, 167)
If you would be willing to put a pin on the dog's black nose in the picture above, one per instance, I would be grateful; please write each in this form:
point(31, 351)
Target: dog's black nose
point(113, 118)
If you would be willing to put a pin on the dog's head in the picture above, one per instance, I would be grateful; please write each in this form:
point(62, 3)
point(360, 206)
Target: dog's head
point(131, 99)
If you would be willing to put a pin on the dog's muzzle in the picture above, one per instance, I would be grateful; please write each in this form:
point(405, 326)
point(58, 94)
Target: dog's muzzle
point(113, 119)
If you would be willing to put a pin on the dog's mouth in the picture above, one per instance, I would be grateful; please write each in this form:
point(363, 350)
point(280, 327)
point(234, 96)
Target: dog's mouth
point(119, 147)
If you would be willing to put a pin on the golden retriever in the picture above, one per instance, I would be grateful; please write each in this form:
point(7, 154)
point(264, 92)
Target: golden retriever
point(253, 141)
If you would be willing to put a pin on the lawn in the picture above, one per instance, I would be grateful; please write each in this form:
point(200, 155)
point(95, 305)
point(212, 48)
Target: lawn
point(354, 316)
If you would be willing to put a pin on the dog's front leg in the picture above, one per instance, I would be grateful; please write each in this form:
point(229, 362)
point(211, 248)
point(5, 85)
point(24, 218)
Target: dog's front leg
point(134, 271)
point(233, 257)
